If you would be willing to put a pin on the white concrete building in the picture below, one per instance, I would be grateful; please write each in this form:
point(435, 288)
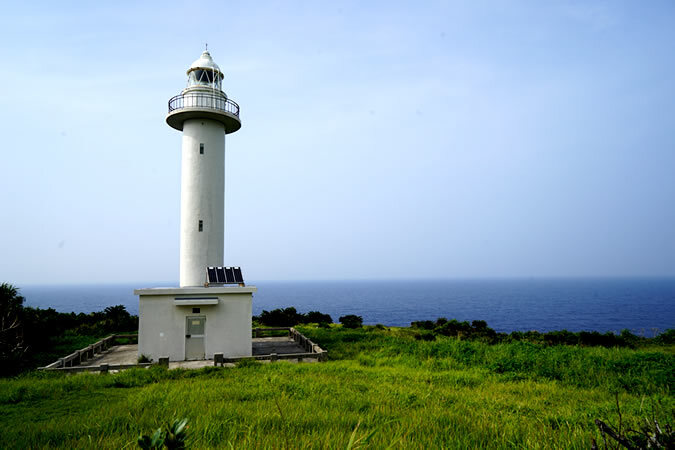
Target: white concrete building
point(203, 316)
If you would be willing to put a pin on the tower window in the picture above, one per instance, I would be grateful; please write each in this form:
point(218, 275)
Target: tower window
point(201, 225)
point(195, 310)
point(201, 149)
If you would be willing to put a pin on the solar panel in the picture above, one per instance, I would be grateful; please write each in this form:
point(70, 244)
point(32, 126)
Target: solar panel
point(237, 275)
point(229, 274)
point(224, 275)
point(211, 272)
point(220, 272)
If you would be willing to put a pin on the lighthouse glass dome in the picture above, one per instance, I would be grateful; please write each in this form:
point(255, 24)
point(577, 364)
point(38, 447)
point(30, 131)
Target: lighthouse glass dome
point(205, 77)
point(205, 72)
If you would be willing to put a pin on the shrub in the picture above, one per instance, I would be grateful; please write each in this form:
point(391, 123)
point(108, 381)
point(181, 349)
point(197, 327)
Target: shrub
point(423, 324)
point(286, 317)
point(426, 336)
point(351, 321)
point(667, 337)
point(317, 317)
point(172, 436)
point(479, 324)
point(454, 328)
point(11, 331)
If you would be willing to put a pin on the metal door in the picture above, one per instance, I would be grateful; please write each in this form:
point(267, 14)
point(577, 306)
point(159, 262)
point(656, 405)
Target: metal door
point(195, 332)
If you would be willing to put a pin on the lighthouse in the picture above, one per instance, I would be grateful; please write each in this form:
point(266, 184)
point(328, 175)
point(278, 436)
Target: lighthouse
point(205, 115)
point(210, 311)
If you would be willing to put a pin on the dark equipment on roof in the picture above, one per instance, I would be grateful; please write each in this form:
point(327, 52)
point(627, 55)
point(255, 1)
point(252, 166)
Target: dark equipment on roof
point(224, 275)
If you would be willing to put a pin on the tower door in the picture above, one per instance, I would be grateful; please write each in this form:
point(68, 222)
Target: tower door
point(195, 334)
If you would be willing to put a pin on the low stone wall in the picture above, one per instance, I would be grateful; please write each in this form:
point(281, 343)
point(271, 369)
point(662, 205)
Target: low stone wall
point(73, 362)
point(312, 350)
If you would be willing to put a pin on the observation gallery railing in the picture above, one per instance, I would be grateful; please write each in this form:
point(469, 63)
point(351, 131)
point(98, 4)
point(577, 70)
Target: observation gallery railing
point(203, 100)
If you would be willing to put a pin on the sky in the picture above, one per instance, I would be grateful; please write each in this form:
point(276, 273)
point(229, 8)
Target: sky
point(383, 140)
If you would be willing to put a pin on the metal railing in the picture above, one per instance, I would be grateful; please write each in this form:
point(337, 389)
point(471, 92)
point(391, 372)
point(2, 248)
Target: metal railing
point(202, 100)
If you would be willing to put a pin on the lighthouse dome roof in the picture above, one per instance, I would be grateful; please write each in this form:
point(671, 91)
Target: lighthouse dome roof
point(204, 62)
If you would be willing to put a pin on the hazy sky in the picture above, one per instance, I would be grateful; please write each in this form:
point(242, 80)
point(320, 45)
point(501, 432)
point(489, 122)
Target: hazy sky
point(379, 139)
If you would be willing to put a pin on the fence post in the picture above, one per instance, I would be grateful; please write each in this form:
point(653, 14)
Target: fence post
point(273, 357)
point(217, 359)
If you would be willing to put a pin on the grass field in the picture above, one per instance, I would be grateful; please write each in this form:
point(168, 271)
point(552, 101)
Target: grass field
point(380, 388)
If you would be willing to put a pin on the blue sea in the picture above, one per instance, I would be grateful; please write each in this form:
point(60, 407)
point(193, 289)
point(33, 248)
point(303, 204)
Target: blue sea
point(644, 306)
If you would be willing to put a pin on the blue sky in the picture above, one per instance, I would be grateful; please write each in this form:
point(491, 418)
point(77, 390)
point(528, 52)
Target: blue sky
point(379, 139)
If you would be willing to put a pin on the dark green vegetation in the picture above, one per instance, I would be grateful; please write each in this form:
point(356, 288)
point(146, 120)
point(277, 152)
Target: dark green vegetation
point(289, 317)
point(478, 330)
point(381, 386)
point(351, 321)
point(32, 337)
point(172, 436)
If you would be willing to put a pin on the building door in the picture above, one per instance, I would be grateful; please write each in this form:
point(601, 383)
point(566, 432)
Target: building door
point(195, 333)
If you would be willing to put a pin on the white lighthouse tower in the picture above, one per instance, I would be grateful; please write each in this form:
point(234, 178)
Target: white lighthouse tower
point(210, 311)
point(205, 115)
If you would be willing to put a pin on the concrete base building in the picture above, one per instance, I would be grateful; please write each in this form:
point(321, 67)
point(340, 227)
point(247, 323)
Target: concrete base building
point(194, 323)
point(211, 310)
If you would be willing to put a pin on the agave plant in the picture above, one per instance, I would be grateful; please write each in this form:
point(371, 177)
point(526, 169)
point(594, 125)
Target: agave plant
point(172, 437)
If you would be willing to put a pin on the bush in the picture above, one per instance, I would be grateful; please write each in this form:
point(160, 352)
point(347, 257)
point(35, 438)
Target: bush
point(423, 324)
point(173, 436)
point(317, 317)
point(351, 321)
point(286, 317)
point(454, 328)
point(426, 336)
point(667, 337)
point(289, 317)
point(12, 345)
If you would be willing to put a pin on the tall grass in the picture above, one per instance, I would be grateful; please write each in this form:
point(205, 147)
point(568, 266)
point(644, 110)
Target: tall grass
point(382, 388)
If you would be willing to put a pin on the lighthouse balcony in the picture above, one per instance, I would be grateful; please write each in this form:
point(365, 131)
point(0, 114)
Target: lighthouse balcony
point(203, 105)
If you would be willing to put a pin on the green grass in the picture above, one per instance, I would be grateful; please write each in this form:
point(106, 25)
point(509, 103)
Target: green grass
point(380, 388)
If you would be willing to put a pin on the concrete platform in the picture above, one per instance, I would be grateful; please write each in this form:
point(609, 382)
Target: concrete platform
point(279, 345)
point(128, 354)
point(118, 354)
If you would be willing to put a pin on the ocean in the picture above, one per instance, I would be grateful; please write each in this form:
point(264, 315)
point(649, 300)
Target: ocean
point(644, 306)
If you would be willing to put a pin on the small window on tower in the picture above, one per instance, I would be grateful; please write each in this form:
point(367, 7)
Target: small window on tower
point(201, 149)
point(195, 310)
point(201, 225)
